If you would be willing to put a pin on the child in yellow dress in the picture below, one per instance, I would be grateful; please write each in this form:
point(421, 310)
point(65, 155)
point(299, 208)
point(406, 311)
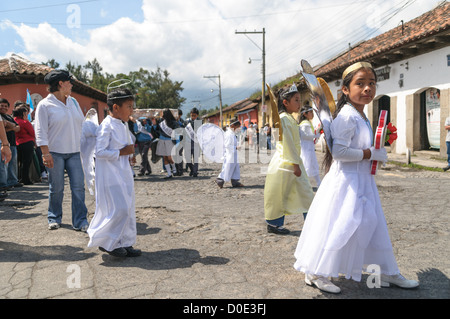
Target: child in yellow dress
point(287, 189)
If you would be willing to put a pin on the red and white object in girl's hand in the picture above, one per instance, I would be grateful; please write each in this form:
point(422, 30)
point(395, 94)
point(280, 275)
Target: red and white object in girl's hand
point(380, 136)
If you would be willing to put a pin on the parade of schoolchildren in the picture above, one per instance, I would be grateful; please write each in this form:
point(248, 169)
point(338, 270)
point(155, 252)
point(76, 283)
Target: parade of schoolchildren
point(322, 138)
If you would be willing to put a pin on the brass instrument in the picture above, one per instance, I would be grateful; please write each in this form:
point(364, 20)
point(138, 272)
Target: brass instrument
point(275, 115)
point(322, 98)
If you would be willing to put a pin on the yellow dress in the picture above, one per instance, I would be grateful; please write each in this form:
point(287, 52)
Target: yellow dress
point(285, 193)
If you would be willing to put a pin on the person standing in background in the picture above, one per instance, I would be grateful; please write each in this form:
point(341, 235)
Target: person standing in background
point(8, 172)
point(447, 141)
point(25, 141)
point(59, 122)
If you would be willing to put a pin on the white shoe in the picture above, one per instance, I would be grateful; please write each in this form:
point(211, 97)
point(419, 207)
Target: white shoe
point(398, 280)
point(322, 283)
point(53, 226)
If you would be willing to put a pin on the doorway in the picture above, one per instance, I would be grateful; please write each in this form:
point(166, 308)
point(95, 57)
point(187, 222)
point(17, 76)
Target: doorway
point(430, 114)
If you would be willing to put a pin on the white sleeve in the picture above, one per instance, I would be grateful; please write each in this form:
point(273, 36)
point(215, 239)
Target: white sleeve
point(102, 149)
point(346, 154)
point(307, 134)
point(41, 126)
point(343, 129)
point(229, 142)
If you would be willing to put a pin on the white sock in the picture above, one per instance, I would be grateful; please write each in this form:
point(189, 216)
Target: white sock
point(168, 170)
point(174, 169)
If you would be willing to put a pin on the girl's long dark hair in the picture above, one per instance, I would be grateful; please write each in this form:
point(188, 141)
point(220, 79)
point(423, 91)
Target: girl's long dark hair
point(328, 159)
point(170, 119)
point(302, 112)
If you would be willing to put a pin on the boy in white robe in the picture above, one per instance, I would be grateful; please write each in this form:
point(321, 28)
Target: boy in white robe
point(113, 227)
point(230, 168)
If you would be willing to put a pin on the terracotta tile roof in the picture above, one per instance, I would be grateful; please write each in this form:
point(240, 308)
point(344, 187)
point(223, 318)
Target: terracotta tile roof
point(237, 106)
point(15, 66)
point(384, 48)
point(250, 106)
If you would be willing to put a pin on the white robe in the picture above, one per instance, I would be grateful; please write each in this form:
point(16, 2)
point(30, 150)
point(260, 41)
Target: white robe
point(114, 222)
point(308, 154)
point(346, 230)
point(87, 150)
point(230, 167)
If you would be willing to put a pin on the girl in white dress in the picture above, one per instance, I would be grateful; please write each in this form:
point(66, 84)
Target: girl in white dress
point(308, 137)
point(346, 229)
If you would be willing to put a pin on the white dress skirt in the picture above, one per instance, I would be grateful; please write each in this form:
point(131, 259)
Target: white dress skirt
point(308, 154)
point(346, 230)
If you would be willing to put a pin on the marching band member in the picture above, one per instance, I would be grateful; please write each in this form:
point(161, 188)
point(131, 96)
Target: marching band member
point(346, 229)
point(113, 227)
point(287, 189)
point(230, 168)
point(308, 136)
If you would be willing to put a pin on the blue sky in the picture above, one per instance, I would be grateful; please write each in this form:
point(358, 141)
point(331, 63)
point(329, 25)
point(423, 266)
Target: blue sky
point(196, 38)
point(93, 14)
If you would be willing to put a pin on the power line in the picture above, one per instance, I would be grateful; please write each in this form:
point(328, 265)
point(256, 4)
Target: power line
point(47, 6)
point(355, 36)
point(182, 21)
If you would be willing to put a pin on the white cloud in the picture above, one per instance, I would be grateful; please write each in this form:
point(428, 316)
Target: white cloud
point(44, 42)
point(195, 38)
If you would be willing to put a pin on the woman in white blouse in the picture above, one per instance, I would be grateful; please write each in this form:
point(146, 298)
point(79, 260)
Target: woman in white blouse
point(59, 121)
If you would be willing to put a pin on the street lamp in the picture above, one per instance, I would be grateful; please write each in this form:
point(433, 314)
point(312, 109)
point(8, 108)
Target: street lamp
point(250, 60)
point(220, 94)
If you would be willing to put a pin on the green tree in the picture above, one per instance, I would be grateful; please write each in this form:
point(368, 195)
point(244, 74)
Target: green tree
point(153, 89)
point(51, 63)
point(78, 71)
point(156, 90)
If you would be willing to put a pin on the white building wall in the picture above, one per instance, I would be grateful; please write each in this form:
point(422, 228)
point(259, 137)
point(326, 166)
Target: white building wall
point(418, 73)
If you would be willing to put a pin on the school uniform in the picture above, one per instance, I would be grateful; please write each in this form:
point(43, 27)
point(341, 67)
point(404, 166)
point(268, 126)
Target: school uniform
point(165, 144)
point(144, 141)
point(192, 153)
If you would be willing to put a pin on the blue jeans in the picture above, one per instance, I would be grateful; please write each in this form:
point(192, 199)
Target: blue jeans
point(8, 172)
point(448, 152)
point(12, 168)
point(72, 164)
point(276, 222)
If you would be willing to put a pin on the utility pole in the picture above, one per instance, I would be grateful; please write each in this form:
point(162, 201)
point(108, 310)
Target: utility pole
point(220, 95)
point(263, 98)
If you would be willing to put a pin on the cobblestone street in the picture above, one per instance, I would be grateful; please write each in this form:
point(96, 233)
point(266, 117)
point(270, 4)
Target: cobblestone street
point(202, 242)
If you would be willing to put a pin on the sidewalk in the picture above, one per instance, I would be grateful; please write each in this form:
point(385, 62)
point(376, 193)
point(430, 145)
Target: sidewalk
point(423, 158)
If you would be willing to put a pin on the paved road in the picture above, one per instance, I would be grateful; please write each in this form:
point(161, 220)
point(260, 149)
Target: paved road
point(202, 242)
